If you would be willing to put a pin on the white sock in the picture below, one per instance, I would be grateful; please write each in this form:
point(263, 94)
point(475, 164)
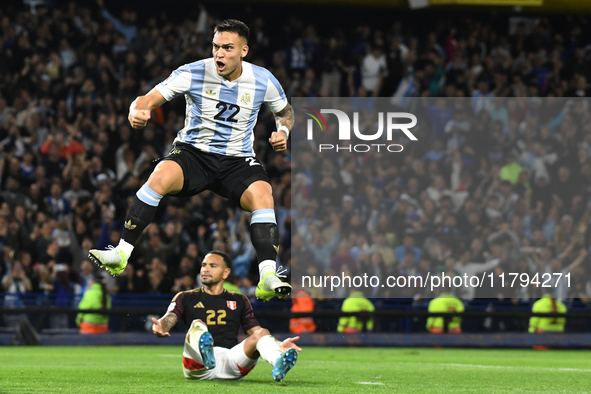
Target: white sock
point(126, 247)
point(267, 266)
point(196, 334)
point(269, 349)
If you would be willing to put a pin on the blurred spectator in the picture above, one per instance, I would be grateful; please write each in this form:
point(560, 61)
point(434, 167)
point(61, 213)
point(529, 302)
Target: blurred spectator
point(408, 245)
point(373, 69)
point(125, 26)
point(183, 283)
point(248, 286)
point(343, 258)
point(86, 276)
point(16, 282)
point(321, 249)
point(158, 277)
point(465, 267)
point(57, 206)
point(132, 281)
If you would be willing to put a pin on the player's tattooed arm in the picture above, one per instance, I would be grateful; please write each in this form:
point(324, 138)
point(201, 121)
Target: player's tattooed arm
point(161, 327)
point(168, 321)
point(285, 117)
point(284, 121)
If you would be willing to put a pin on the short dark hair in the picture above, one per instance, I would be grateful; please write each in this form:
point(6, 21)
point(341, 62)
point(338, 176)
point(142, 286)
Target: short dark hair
point(225, 257)
point(233, 26)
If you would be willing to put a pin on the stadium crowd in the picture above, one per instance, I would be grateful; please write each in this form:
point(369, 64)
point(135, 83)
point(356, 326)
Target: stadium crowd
point(513, 183)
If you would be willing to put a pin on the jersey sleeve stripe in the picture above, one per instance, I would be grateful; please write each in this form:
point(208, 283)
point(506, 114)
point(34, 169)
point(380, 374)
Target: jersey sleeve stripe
point(176, 296)
point(177, 83)
point(275, 97)
point(277, 86)
point(186, 291)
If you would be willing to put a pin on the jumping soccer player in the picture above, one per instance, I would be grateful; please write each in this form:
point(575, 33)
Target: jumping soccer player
point(214, 151)
point(214, 316)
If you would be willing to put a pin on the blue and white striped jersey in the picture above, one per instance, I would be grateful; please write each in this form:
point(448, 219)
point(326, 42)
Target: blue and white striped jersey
point(221, 115)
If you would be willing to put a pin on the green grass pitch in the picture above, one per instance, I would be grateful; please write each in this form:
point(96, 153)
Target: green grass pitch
point(319, 370)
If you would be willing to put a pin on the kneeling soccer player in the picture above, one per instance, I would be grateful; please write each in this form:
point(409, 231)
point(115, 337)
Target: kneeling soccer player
point(214, 316)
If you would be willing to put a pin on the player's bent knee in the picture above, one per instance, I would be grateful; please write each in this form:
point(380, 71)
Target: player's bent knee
point(167, 178)
point(258, 334)
point(267, 200)
point(258, 196)
point(261, 201)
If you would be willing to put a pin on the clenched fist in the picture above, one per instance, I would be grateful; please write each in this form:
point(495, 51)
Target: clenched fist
point(138, 118)
point(278, 141)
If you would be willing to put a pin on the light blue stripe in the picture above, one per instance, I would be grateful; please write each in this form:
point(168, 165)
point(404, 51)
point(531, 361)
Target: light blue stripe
point(277, 86)
point(263, 211)
point(262, 216)
point(151, 192)
point(261, 77)
point(262, 220)
point(195, 92)
point(143, 196)
point(223, 129)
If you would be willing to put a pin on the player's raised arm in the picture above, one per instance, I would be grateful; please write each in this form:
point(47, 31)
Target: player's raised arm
point(162, 326)
point(140, 108)
point(284, 120)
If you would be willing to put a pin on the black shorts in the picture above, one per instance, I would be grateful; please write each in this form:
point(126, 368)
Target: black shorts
point(228, 176)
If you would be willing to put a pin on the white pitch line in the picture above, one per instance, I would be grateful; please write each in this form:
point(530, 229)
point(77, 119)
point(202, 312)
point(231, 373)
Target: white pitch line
point(552, 369)
point(171, 355)
point(501, 367)
point(376, 383)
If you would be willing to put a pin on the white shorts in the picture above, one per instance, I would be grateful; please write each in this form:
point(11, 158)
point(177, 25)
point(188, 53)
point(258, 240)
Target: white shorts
point(231, 363)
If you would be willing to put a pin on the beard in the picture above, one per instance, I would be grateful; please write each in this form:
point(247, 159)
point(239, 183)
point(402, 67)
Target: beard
point(209, 281)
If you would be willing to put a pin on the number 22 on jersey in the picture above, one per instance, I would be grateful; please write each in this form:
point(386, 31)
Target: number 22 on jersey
point(223, 110)
point(211, 317)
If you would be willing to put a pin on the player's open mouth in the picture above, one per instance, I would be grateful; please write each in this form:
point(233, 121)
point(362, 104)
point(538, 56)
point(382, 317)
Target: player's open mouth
point(220, 65)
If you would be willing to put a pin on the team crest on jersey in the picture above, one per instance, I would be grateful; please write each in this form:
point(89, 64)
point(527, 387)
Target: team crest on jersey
point(232, 305)
point(245, 98)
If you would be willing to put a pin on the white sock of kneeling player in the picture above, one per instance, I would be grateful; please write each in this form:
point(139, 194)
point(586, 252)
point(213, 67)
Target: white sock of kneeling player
point(197, 329)
point(269, 349)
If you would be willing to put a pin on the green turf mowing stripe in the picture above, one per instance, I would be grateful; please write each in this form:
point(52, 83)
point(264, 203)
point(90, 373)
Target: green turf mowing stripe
point(140, 369)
